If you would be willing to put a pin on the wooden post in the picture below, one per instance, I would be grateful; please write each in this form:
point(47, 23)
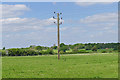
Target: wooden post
point(58, 36)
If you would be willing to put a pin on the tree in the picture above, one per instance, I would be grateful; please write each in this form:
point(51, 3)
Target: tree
point(64, 48)
point(3, 48)
point(38, 48)
point(81, 46)
point(88, 47)
point(94, 48)
point(75, 49)
point(62, 44)
point(48, 51)
point(54, 47)
point(3, 53)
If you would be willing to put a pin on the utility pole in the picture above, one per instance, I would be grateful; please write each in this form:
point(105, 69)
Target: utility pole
point(58, 32)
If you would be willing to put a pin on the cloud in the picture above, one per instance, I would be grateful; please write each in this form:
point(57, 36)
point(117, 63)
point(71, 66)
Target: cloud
point(90, 28)
point(94, 28)
point(9, 11)
point(84, 4)
point(100, 18)
point(104, 24)
point(27, 31)
point(101, 21)
point(27, 24)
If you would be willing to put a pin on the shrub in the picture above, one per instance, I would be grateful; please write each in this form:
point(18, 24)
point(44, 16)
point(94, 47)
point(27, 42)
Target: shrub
point(70, 52)
point(39, 53)
point(83, 51)
point(104, 51)
point(75, 49)
point(62, 52)
point(38, 48)
point(64, 48)
point(48, 51)
point(21, 52)
point(94, 48)
point(36, 53)
point(3, 52)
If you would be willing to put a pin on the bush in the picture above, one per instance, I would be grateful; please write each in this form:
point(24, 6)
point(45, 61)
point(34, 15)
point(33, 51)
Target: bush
point(75, 49)
point(3, 52)
point(104, 51)
point(83, 51)
point(94, 48)
point(48, 51)
point(42, 52)
point(38, 48)
point(22, 52)
point(64, 48)
point(62, 52)
point(36, 53)
point(39, 53)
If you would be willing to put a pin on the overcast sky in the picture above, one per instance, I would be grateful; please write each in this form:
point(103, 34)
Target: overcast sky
point(25, 24)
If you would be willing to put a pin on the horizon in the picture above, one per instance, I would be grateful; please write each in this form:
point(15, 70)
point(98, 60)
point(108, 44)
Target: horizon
point(60, 43)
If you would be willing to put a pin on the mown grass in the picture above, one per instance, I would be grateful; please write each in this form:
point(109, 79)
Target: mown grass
point(69, 66)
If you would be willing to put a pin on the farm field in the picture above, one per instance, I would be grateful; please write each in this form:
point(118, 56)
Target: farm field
point(96, 65)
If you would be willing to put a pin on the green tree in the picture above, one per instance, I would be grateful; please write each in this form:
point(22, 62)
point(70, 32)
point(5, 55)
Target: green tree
point(38, 48)
point(75, 49)
point(62, 44)
point(94, 48)
point(88, 47)
point(54, 47)
point(64, 48)
point(3, 48)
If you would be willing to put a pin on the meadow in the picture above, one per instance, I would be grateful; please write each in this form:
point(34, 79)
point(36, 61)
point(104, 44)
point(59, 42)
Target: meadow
point(97, 65)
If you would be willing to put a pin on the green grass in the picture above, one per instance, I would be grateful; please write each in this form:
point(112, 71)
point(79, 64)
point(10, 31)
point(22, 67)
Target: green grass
point(69, 66)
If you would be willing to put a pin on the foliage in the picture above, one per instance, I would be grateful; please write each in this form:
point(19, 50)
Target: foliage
point(64, 49)
point(3, 52)
point(105, 50)
point(62, 52)
point(48, 51)
point(38, 48)
point(83, 51)
point(75, 49)
point(21, 52)
point(94, 48)
point(88, 47)
point(62, 44)
point(3, 48)
point(54, 47)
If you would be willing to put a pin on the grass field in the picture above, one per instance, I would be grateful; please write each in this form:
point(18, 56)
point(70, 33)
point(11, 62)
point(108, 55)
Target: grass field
point(69, 66)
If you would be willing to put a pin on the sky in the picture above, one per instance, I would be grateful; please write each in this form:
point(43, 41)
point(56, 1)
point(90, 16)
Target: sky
point(31, 23)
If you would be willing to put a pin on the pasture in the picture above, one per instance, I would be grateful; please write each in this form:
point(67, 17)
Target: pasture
point(96, 65)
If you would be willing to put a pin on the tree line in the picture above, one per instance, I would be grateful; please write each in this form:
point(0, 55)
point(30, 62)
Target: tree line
point(64, 49)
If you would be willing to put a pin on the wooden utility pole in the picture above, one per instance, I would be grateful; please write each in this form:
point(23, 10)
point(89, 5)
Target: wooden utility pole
point(58, 33)
point(58, 36)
